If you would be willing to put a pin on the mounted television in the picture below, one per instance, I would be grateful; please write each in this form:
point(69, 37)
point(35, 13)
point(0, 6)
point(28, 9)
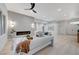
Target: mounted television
point(2, 24)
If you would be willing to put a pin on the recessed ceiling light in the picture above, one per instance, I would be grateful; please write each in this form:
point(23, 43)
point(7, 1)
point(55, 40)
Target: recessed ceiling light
point(65, 15)
point(59, 9)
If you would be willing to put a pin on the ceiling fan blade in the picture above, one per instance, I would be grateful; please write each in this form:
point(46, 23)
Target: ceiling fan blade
point(32, 5)
point(34, 11)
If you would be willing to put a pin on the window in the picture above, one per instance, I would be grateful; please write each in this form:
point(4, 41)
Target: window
point(2, 24)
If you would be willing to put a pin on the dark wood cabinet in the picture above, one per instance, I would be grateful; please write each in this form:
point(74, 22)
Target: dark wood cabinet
point(78, 36)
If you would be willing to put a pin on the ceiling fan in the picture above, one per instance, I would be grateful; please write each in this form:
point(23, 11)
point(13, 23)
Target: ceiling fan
point(32, 7)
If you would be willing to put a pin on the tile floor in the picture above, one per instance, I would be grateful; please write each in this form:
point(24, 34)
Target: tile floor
point(63, 45)
point(7, 48)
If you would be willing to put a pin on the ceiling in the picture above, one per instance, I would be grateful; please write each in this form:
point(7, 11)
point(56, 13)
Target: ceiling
point(47, 11)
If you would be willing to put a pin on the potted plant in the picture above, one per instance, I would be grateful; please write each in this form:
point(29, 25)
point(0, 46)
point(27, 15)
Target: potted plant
point(29, 37)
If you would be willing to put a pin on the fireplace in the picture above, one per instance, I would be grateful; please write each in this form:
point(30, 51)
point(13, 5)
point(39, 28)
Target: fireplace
point(23, 32)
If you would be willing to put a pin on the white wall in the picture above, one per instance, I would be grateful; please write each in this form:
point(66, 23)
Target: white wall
point(3, 38)
point(66, 28)
point(22, 22)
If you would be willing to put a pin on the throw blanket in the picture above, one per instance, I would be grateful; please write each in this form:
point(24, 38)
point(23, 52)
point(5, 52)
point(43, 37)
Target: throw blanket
point(23, 47)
